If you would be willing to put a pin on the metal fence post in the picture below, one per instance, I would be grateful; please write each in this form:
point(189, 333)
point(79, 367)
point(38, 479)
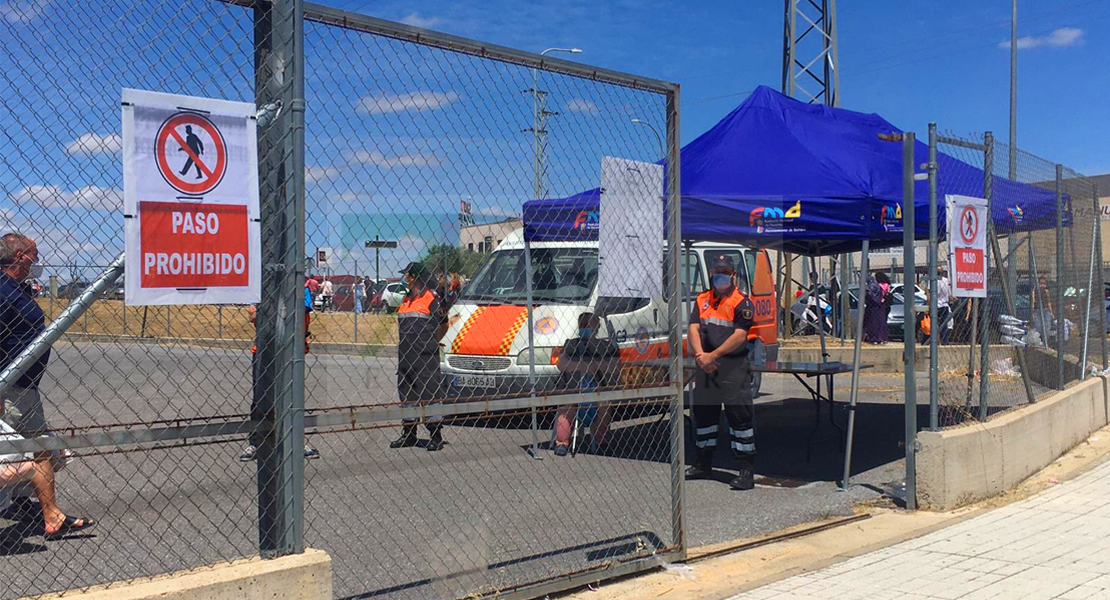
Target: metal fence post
point(934, 325)
point(674, 241)
point(984, 305)
point(1060, 334)
point(909, 226)
point(279, 378)
point(1101, 277)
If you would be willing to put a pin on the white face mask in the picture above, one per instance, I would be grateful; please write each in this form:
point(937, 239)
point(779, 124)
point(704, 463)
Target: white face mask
point(36, 271)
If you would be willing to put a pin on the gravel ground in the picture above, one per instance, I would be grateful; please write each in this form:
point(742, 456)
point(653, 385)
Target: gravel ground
point(481, 514)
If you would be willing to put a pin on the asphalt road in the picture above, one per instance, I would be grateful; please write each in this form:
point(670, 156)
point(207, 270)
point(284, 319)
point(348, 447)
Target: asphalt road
point(479, 515)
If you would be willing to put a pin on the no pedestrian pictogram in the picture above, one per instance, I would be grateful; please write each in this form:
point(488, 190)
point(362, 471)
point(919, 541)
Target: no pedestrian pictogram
point(969, 224)
point(185, 160)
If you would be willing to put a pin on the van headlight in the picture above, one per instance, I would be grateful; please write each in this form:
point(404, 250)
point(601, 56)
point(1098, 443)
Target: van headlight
point(543, 356)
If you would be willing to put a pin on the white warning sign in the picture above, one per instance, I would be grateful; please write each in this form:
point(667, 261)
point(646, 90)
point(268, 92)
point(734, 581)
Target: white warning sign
point(191, 211)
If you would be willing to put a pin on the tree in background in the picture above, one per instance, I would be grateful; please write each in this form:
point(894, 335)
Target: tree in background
point(456, 260)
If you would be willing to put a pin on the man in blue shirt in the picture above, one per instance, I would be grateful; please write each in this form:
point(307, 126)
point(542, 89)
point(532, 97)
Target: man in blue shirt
point(21, 321)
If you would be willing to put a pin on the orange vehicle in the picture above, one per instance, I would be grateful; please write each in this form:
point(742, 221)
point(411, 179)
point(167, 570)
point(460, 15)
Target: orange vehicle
point(485, 350)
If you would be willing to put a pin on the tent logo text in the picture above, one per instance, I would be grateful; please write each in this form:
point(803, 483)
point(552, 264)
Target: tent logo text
point(587, 220)
point(890, 216)
point(1016, 213)
point(771, 219)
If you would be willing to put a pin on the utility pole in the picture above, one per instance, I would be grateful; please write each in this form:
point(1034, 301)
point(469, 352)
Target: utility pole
point(811, 73)
point(1013, 91)
point(539, 125)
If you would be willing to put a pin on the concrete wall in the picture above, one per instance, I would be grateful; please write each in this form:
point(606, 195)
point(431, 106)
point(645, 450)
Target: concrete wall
point(305, 576)
point(888, 358)
point(959, 466)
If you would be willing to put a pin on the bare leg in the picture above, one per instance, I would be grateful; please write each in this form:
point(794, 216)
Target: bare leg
point(18, 472)
point(563, 423)
point(42, 482)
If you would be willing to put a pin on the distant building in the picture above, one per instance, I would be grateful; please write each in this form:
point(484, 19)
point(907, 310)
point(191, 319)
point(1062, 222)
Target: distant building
point(485, 237)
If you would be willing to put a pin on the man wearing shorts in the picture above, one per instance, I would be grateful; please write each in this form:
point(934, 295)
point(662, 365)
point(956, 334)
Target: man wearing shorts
point(21, 321)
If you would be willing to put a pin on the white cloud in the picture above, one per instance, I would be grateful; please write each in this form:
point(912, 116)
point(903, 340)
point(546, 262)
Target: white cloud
point(393, 161)
point(317, 174)
point(22, 11)
point(414, 101)
point(1058, 38)
point(95, 143)
point(416, 20)
point(580, 105)
point(51, 196)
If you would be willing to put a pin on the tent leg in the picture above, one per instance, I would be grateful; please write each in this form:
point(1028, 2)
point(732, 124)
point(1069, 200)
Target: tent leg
point(846, 481)
point(534, 452)
point(1090, 298)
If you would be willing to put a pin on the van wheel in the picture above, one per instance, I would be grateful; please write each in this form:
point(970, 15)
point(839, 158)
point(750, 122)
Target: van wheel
point(757, 355)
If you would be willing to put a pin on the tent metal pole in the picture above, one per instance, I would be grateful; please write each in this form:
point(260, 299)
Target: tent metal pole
point(787, 296)
point(973, 304)
point(934, 326)
point(1101, 275)
point(1090, 298)
point(534, 451)
point(1060, 333)
point(909, 325)
point(846, 480)
point(814, 283)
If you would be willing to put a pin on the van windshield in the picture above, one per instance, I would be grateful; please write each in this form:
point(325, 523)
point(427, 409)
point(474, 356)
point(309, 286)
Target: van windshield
point(563, 275)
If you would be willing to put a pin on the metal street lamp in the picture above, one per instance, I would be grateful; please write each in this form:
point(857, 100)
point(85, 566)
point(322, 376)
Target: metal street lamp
point(539, 114)
point(658, 137)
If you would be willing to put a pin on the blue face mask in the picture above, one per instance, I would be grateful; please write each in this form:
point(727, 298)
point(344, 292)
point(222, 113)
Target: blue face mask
point(721, 282)
point(585, 333)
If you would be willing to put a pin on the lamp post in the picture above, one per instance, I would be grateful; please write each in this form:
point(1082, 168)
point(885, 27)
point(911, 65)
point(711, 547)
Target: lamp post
point(539, 115)
point(655, 131)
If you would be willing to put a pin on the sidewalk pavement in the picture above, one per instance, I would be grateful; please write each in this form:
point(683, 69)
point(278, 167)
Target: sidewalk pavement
point(1053, 545)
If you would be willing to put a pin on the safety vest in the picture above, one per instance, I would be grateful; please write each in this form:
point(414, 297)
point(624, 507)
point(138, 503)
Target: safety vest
point(417, 306)
point(717, 317)
point(723, 313)
point(417, 323)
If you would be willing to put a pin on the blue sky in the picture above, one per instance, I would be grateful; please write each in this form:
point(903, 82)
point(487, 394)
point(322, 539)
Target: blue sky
point(393, 128)
point(911, 61)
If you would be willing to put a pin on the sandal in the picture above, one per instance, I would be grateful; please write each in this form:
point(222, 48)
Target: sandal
point(69, 525)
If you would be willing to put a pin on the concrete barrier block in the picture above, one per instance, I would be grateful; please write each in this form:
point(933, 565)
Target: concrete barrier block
point(306, 576)
point(962, 465)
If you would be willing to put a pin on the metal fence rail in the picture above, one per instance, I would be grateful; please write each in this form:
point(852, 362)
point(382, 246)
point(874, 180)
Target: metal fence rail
point(371, 131)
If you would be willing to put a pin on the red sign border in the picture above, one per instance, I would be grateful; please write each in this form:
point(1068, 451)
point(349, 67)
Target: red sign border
point(978, 224)
point(191, 118)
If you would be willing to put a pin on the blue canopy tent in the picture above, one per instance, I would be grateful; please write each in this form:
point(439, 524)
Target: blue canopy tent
point(808, 179)
point(805, 178)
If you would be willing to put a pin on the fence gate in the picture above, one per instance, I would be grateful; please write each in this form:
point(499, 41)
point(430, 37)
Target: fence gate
point(380, 144)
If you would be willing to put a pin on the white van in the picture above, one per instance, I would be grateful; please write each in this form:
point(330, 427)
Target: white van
point(485, 350)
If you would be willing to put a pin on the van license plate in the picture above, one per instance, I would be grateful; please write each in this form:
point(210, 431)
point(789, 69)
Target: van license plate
point(476, 381)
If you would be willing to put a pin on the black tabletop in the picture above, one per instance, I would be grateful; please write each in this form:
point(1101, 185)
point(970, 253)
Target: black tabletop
point(806, 368)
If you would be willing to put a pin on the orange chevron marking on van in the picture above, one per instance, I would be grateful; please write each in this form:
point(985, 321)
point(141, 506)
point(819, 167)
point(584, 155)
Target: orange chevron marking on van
point(490, 330)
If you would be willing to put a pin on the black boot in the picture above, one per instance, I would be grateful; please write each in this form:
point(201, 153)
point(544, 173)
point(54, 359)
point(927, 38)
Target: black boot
point(437, 440)
point(745, 478)
point(407, 439)
point(702, 467)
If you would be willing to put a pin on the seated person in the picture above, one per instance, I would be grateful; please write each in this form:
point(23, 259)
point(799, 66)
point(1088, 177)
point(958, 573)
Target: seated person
point(20, 468)
point(586, 363)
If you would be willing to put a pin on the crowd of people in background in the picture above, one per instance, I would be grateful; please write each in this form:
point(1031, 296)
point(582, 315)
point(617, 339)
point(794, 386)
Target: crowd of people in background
point(363, 294)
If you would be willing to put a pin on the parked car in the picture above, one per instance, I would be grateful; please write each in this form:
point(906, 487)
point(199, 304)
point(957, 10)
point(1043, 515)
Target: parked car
point(391, 296)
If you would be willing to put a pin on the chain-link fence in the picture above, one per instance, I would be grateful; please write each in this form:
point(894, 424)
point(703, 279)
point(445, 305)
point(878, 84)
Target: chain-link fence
point(451, 459)
point(1041, 325)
